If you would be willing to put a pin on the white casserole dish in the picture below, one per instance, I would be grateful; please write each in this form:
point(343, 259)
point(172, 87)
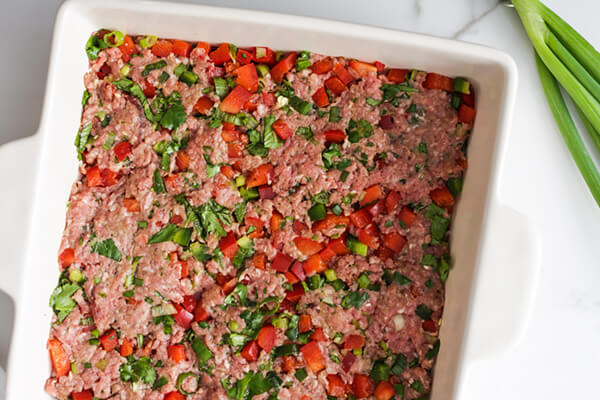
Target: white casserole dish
point(495, 249)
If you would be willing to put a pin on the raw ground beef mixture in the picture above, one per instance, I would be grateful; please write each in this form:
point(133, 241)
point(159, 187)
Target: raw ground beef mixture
point(252, 224)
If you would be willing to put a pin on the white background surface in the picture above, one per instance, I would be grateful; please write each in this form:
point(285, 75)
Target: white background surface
point(558, 357)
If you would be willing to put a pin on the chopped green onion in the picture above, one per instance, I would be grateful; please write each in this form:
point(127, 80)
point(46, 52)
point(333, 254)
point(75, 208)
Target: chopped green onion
point(330, 275)
point(356, 246)
point(317, 212)
point(114, 38)
point(181, 378)
point(148, 41)
point(563, 55)
point(462, 85)
point(262, 69)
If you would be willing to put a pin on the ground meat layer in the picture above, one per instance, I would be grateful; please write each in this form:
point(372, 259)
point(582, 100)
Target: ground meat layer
point(255, 224)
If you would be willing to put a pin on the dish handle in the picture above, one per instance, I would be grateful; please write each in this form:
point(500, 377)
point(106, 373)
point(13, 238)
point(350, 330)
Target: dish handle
point(506, 285)
point(18, 161)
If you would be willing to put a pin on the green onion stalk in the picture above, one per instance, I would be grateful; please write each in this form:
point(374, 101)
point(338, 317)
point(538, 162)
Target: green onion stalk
point(564, 57)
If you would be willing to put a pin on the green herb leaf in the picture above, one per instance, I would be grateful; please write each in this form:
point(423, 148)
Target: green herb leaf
point(158, 182)
point(81, 139)
point(423, 312)
point(107, 248)
point(138, 370)
point(357, 130)
point(271, 140)
point(173, 117)
point(61, 299)
point(354, 299)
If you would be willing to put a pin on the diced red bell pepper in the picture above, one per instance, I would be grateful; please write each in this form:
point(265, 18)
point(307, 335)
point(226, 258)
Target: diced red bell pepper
point(220, 55)
point(189, 303)
point(289, 363)
point(228, 245)
point(247, 77)
point(235, 150)
point(203, 45)
point(348, 361)
point(322, 66)
point(258, 224)
point(109, 177)
point(259, 261)
point(466, 114)
point(66, 257)
point(228, 172)
point(250, 351)
point(174, 395)
point(235, 100)
point(442, 197)
point(126, 348)
point(281, 262)
point(282, 129)
point(354, 342)
point(182, 160)
point(338, 245)
point(275, 222)
point(429, 326)
point(437, 81)
point(109, 340)
point(184, 269)
point(397, 75)
point(407, 216)
point(379, 65)
point(362, 386)
point(334, 136)
point(229, 134)
point(148, 89)
point(318, 335)
point(203, 105)
point(200, 313)
point(244, 57)
point(283, 67)
point(261, 175)
point(331, 224)
point(392, 200)
point(127, 48)
point(176, 352)
point(335, 84)
point(307, 247)
point(376, 208)
point(304, 323)
point(162, 48)
point(295, 294)
point(183, 317)
point(313, 356)
point(291, 278)
point(468, 99)
point(181, 48)
point(267, 56)
point(269, 99)
point(341, 72)
point(226, 282)
point(299, 227)
point(369, 236)
point(320, 97)
point(361, 218)
point(394, 241)
point(266, 338)
point(298, 270)
point(122, 150)
point(314, 265)
point(131, 205)
point(336, 387)
point(94, 178)
point(384, 391)
point(372, 194)
point(58, 356)
point(327, 254)
point(362, 68)
point(84, 395)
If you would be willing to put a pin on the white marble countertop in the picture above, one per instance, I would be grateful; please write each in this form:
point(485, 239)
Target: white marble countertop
point(557, 357)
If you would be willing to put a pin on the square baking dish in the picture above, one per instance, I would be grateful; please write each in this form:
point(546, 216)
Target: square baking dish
point(494, 248)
